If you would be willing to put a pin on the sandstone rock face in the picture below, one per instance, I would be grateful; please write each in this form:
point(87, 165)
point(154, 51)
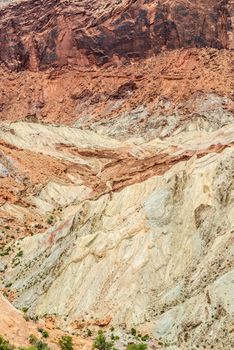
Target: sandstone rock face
point(15, 328)
point(43, 34)
point(169, 89)
point(147, 242)
point(116, 170)
point(12, 319)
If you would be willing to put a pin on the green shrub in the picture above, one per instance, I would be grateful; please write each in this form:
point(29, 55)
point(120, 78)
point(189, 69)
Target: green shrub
point(101, 343)
point(37, 344)
point(5, 252)
point(32, 339)
point(89, 332)
point(140, 346)
point(44, 333)
point(114, 337)
point(19, 254)
point(133, 332)
point(50, 220)
point(24, 309)
point(5, 345)
point(65, 342)
point(145, 337)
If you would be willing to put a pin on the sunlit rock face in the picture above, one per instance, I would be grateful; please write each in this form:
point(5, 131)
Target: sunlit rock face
point(116, 169)
point(150, 247)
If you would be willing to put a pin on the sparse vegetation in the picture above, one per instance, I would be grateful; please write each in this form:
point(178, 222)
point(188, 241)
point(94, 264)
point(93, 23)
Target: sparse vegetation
point(65, 343)
point(5, 252)
point(101, 343)
point(145, 337)
point(133, 332)
point(140, 346)
point(44, 333)
point(37, 343)
point(50, 220)
point(114, 337)
point(89, 332)
point(24, 309)
point(19, 254)
point(5, 345)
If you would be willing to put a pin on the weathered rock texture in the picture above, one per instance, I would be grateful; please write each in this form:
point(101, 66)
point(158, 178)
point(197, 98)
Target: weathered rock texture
point(13, 326)
point(123, 215)
point(172, 87)
point(141, 233)
point(44, 34)
point(16, 329)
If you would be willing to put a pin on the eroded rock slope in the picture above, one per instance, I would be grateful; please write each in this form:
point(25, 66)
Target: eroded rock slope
point(116, 170)
point(141, 233)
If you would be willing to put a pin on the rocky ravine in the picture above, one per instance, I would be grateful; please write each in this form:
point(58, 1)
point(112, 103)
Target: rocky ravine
point(116, 169)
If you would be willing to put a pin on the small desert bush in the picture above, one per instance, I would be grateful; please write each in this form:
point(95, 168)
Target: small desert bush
point(101, 343)
point(140, 346)
point(5, 345)
point(65, 343)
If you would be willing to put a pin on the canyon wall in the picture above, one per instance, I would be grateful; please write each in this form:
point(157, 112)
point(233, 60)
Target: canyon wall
point(38, 35)
point(116, 170)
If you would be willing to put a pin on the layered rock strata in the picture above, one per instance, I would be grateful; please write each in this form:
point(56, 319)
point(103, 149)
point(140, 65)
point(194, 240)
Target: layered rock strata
point(141, 233)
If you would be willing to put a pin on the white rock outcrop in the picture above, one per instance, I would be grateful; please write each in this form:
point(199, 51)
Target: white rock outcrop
point(157, 254)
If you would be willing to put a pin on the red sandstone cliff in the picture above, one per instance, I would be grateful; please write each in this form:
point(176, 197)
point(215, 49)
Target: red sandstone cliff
point(42, 34)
